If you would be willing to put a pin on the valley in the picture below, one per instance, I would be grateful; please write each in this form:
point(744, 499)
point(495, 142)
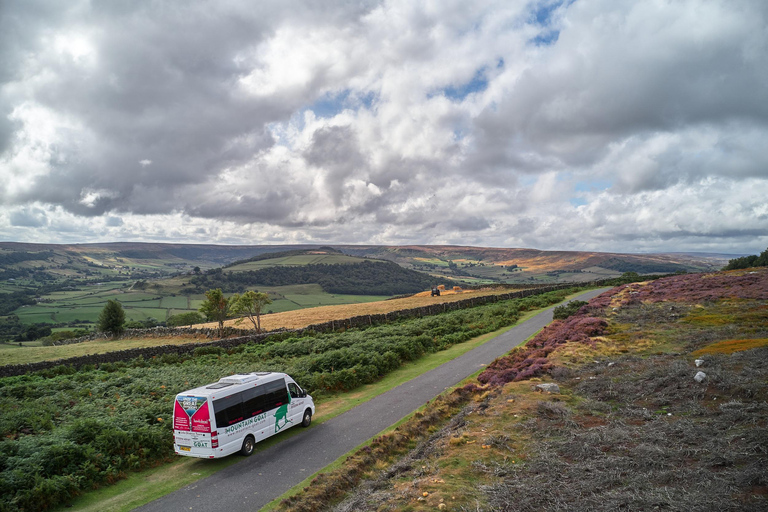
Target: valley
point(64, 287)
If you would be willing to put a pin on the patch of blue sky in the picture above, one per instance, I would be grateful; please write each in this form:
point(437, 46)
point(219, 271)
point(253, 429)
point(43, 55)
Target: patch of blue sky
point(327, 106)
point(593, 185)
point(542, 11)
point(331, 105)
point(578, 201)
point(367, 100)
point(542, 15)
point(546, 38)
point(458, 134)
point(478, 83)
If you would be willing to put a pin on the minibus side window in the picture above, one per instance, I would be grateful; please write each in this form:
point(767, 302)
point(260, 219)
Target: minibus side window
point(228, 410)
point(254, 401)
point(277, 393)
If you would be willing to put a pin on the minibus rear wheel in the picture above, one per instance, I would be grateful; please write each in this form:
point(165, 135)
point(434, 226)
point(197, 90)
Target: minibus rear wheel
point(307, 418)
point(248, 446)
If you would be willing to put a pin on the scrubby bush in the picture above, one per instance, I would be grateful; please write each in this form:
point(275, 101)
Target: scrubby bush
point(568, 309)
point(190, 318)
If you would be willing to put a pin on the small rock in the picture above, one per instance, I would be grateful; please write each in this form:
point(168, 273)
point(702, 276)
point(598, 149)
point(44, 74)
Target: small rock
point(699, 362)
point(442, 506)
point(549, 387)
point(611, 364)
point(700, 376)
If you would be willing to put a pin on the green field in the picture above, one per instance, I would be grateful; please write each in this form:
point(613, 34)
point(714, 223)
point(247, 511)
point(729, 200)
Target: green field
point(139, 305)
point(297, 261)
point(175, 302)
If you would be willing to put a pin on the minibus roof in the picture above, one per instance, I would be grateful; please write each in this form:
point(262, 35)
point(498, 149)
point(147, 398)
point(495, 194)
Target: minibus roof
point(233, 381)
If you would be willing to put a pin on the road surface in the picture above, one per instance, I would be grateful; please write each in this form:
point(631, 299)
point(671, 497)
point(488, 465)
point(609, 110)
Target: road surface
point(267, 474)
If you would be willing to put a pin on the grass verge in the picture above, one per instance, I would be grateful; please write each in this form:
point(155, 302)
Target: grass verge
point(31, 354)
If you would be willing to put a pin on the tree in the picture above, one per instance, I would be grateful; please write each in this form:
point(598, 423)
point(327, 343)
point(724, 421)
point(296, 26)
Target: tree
point(216, 308)
point(193, 317)
point(112, 318)
point(250, 303)
point(748, 261)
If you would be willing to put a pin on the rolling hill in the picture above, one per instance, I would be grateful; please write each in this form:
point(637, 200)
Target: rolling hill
point(479, 264)
point(65, 286)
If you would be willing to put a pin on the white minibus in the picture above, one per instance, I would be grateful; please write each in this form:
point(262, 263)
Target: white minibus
point(237, 412)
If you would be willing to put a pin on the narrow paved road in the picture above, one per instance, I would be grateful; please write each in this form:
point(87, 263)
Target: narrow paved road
point(257, 480)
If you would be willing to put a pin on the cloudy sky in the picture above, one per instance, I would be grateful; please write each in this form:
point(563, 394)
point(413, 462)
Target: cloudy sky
point(586, 125)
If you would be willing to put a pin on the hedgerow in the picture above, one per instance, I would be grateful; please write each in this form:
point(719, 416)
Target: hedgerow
point(65, 431)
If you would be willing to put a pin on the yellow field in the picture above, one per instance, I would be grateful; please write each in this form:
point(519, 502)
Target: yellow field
point(304, 317)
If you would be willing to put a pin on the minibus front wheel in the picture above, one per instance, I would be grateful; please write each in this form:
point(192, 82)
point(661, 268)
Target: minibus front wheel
point(249, 444)
point(307, 418)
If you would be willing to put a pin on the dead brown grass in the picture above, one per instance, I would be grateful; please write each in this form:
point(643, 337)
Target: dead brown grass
point(731, 346)
point(304, 317)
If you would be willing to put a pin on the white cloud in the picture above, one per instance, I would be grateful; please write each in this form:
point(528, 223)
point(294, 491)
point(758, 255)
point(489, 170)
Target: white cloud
point(663, 105)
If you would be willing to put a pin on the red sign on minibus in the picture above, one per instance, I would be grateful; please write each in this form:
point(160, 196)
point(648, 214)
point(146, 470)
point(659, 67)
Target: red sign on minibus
point(201, 420)
point(195, 407)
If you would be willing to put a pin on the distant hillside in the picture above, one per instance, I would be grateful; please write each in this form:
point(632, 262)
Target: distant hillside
point(67, 285)
point(295, 258)
point(481, 264)
point(532, 265)
point(365, 278)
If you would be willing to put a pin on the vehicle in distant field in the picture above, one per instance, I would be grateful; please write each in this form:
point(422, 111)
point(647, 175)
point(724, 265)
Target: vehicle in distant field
point(435, 291)
point(237, 412)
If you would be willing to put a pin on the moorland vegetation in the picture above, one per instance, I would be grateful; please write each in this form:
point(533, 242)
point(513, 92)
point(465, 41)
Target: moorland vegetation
point(628, 427)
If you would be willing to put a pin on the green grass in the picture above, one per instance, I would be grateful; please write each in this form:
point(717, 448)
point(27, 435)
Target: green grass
point(86, 303)
point(297, 261)
point(145, 313)
point(174, 302)
point(33, 315)
point(90, 313)
point(32, 354)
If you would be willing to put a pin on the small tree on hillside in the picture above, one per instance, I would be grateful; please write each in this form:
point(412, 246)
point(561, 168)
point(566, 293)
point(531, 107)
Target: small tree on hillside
point(250, 303)
point(216, 308)
point(748, 261)
point(112, 318)
point(193, 317)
